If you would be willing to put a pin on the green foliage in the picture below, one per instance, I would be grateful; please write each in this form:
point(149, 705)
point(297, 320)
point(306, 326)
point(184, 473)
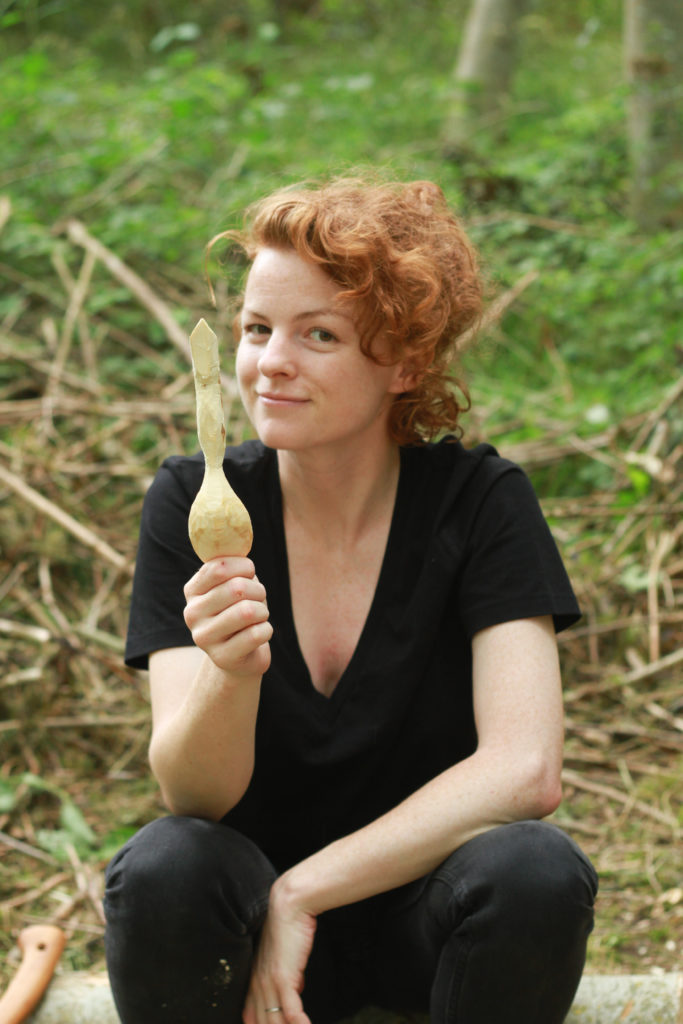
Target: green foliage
point(159, 152)
point(73, 831)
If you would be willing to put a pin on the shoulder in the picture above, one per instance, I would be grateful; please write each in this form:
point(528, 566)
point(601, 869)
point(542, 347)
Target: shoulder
point(449, 455)
point(491, 529)
point(466, 498)
point(450, 472)
point(248, 461)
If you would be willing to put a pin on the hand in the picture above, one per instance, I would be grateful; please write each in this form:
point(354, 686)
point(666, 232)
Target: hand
point(227, 614)
point(277, 977)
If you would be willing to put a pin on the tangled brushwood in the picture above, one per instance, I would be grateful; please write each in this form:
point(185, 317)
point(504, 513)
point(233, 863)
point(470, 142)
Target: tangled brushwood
point(96, 389)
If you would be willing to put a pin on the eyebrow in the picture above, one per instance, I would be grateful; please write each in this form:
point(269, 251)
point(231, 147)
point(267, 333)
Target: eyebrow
point(306, 314)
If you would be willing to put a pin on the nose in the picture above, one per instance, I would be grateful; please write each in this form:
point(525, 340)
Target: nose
point(276, 357)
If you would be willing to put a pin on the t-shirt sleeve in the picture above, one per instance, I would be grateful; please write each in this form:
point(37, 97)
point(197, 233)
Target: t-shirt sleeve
point(512, 568)
point(165, 562)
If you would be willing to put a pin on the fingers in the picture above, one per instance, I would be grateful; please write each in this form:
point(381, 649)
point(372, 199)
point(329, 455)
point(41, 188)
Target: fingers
point(232, 651)
point(287, 1008)
point(292, 1010)
point(277, 977)
point(227, 614)
point(221, 585)
point(225, 610)
point(216, 571)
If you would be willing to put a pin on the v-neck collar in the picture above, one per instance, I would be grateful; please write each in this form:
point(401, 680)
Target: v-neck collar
point(302, 676)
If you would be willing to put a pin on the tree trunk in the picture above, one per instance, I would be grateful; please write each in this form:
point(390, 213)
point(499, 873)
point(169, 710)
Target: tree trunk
point(653, 56)
point(484, 69)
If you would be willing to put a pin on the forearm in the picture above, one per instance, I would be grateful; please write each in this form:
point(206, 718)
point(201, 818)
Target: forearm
point(203, 755)
point(415, 837)
point(205, 697)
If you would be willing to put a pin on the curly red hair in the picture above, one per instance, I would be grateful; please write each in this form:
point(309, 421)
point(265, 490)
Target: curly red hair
point(403, 256)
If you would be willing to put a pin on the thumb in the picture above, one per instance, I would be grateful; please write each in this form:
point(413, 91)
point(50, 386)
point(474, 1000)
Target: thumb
point(293, 1009)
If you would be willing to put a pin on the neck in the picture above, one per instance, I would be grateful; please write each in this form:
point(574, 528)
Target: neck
point(336, 497)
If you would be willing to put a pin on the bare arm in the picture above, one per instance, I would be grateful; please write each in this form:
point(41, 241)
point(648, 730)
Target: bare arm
point(205, 698)
point(513, 774)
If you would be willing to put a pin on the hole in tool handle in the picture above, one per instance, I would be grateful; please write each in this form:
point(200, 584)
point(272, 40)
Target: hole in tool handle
point(41, 946)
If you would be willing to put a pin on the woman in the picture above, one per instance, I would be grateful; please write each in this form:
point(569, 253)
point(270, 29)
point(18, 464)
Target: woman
point(358, 728)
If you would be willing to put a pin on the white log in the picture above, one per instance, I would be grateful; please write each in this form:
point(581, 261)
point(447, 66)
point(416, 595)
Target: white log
point(83, 998)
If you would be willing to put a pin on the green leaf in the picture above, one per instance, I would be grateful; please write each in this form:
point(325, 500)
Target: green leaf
point(76, 826)
point(268, 31)
point(114, 840)
point(75, 829)
point(634, 579)
point(8, 795)
point(55, 841)
point(186, 32)
point(640, 480)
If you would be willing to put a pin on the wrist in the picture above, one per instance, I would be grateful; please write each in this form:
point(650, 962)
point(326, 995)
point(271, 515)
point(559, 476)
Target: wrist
point(226, 677)
point(251, 666)
point(290, 895)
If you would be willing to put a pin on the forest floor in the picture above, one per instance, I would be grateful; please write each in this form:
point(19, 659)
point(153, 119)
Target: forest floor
point(87, 413)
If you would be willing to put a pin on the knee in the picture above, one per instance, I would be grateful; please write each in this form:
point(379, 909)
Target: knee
point(524, 871)
point(516, 909)
point(179, 865)
point(160, 864)
point(536, 863)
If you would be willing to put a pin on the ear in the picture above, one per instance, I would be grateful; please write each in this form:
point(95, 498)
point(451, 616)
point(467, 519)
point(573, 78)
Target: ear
point(406, 377)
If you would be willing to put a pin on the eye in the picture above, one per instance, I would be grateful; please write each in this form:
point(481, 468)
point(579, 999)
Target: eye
point(320, 334)
point(257, 331)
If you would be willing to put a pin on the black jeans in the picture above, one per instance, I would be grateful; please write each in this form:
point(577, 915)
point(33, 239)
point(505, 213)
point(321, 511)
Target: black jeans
point(495, 935)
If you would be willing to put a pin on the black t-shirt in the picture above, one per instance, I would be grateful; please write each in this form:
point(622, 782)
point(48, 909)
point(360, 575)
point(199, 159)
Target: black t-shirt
point(468, 548)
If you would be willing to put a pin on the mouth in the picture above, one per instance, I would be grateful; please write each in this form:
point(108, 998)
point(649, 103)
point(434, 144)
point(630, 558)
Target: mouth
point(274, 398)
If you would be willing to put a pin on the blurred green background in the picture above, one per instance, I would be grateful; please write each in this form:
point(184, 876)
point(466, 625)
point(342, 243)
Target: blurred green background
point(130, 134)
point(156, 123)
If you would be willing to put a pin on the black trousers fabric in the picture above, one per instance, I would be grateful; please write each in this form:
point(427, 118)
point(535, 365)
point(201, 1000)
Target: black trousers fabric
point(495, 935)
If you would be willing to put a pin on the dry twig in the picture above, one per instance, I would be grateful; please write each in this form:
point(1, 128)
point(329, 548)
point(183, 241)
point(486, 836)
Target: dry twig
point(72, 713)
point(81, 532)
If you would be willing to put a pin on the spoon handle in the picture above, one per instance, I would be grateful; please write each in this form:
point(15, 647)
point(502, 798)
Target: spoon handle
point(207, 382)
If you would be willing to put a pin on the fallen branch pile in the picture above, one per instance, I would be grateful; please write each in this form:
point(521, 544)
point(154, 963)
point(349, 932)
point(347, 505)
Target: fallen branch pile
point(95, 391)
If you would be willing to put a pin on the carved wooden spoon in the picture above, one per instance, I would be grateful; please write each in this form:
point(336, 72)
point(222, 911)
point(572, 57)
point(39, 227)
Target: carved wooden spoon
point(219, 524)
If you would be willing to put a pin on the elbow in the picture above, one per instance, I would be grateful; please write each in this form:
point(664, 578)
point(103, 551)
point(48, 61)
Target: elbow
point(192, 809)
point(211, 807)
point(541, 786)
point(186, 794)
point(548, 799)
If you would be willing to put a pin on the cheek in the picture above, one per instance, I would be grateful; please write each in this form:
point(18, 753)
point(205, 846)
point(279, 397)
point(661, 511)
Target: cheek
point(245, 374)
point(378, 386)
point(244, 364)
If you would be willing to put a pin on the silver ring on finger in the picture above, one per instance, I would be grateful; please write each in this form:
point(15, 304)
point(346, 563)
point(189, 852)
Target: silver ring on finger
point(273, 1009)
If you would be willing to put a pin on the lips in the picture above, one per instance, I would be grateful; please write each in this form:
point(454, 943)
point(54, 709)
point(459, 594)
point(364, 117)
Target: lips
point(277, 398)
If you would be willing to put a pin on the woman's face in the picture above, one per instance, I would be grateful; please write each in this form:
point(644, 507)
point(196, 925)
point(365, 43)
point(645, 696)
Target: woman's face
point(302, 376)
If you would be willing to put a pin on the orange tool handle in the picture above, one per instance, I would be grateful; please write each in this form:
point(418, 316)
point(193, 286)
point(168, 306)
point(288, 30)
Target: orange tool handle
point(42, 946)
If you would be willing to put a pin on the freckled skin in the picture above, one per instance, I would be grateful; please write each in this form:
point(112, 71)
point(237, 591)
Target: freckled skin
point(303, 379)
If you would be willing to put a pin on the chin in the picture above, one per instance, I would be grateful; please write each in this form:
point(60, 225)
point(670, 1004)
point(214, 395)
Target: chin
point(276, 436)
